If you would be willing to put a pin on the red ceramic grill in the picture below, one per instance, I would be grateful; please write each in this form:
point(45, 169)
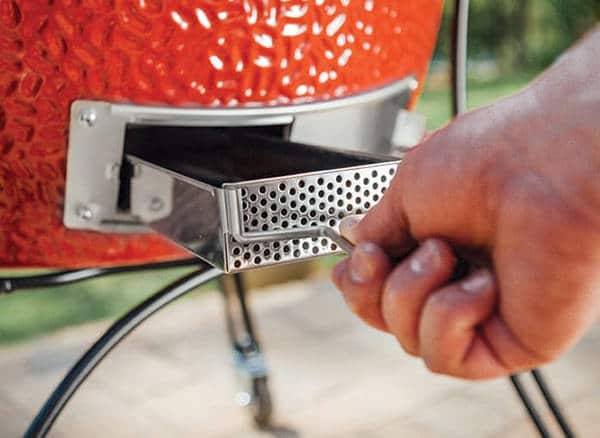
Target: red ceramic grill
point(177, 54)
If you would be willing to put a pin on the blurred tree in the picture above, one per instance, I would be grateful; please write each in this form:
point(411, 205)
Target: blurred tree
point(522, 34)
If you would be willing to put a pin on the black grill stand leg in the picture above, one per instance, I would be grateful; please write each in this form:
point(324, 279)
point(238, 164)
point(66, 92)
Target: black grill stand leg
point(248, 359)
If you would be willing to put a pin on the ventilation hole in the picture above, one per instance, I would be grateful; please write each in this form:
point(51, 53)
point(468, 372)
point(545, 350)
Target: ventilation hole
point(244, 193)
point(338, 178)
point(311, 189)
point(294, 216)
point(303, 209)
point(324, 243)
point(366, 181)
point(293, 204)
point(236, 251)
point(266, 253)
point(315, 250)
point(263, 202)
point(303, 221)
point(273, 207)
point(322, 206)
point(237, 264)
point(247, 255)
point(349, 207)
point(358, 201)
point(383, 178)
point(332, 222)
point(292, 191)
point(272, 195)
point(283, 199)
point(253, 197)
point(348, 195)
point(274, 219)
point(246, 218)
point(320, 181)
point(305, 245)
point(331, 198)
point(296, 242)
point(374, 174)
point(282, 187)
point(262, 190)
point(277, 257)
point(286, 249)
point(375, 197)
point(321, 194)
point(244, 205)
point(391, 172)
point(297, 253)
point(357, 189)
point(301, 183)
point(331, 210)
point(359, 211)
point(330, 186)
point(367, 193)
point(340, 215)
point(340, 203)
point(312, 201)
point(357, 176)
point(367, 205)
point(276, 245)
point(265, 227)
point(302, 196)
point(312, 214)
point(254, 222)
point(284, 212)
point(285, 224)
point(348, 183)
point(257, 260)
point(264, 215)
point(333, 247)
point(339, 191)
point(383, 189)
point(375, 186)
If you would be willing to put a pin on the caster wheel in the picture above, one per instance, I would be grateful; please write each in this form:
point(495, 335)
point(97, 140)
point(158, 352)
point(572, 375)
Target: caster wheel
point(261, 404)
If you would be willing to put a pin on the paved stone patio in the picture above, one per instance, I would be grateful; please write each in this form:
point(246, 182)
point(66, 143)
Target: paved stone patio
point(330, 376)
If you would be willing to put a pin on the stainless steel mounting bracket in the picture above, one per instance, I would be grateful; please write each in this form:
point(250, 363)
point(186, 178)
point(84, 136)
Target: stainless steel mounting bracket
point(97, 130)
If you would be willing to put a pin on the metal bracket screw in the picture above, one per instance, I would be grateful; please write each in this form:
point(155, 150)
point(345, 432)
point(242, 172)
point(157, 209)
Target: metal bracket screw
point(88, 117)
point(85, 212)
point(156, 204)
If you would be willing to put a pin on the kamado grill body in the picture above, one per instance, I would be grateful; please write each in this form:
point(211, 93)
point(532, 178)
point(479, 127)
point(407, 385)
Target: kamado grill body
point(175, 53)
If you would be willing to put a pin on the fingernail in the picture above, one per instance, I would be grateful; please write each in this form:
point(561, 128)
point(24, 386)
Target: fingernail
point(478, 282)
point(361, 263)
point(425, 259)
point(348, 224)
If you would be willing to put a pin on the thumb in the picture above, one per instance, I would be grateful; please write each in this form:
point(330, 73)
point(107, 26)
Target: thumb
point(384, 225)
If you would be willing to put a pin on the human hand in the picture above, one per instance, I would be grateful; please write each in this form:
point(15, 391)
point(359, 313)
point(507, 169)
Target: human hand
point(514, 187)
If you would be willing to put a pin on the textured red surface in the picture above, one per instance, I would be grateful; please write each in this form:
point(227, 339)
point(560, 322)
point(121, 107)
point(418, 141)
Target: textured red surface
point(177, 52)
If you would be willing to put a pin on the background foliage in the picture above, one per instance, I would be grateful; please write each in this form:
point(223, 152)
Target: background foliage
point(522, 34)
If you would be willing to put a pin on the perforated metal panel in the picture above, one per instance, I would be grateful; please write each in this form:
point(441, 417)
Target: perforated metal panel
point(302, 202)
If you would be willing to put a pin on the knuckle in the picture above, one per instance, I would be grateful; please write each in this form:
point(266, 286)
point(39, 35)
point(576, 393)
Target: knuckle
point(435, 365)
point(439, 306)
point(409, 347)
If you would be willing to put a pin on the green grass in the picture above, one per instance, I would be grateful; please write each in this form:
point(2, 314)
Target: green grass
point(27, 314)
point(435, 101)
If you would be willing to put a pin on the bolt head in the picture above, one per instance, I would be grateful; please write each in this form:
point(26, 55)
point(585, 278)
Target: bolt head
point(156, 204)
point(84, 212)
point(88, 117)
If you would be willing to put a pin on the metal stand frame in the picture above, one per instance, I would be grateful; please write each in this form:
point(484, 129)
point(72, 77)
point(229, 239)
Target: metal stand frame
point(116, 333)
point(248, 359)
